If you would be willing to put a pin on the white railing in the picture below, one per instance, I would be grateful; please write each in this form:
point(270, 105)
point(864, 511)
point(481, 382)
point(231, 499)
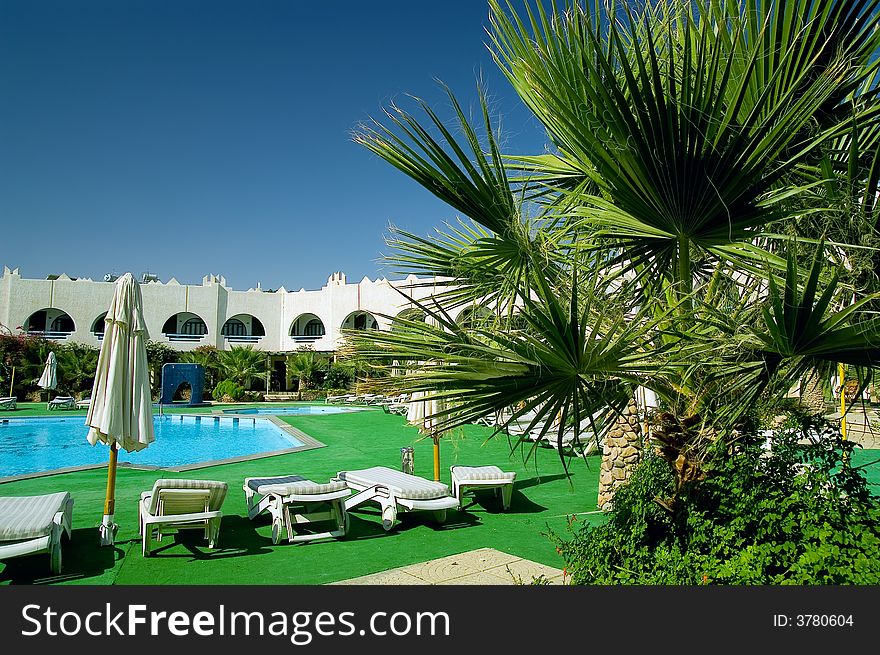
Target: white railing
point(302, 338)
point(242, 338)
point(184, 337)
point(48, 334)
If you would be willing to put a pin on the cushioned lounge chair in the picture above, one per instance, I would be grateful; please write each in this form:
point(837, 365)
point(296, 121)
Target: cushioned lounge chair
point(395, 492)
point(35, 524)
point(178, 505)
point(482, 477)
point(85, 403)
point(293, 500)
point(62, 402)
point(400, 409)
point(584, 443)
point(8, 402)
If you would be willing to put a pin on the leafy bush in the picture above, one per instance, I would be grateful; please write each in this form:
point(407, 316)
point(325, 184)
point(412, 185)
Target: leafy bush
point(337, 377)
point(76, 367)
point(209, 358)
point(800, 515)
point(228, 390)
point(159, 354)
point(242, 364)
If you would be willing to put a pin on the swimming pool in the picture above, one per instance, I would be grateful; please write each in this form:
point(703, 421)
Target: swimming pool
point(36, 445)
point(300, 410)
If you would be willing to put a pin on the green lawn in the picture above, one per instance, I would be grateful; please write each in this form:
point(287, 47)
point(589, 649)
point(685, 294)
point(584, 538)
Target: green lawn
point(245, 555)
point(543, 499)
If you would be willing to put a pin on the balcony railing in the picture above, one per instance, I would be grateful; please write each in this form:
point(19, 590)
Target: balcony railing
point(242, 338)
point(303, 338)
point(99, 335)
point(184, 337)
point(48, 334)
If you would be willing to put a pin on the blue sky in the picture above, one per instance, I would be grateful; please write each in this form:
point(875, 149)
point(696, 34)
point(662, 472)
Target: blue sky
point(194, 137)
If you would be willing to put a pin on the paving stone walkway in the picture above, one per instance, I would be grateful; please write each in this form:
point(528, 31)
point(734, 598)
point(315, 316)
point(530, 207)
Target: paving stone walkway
point(484, 566)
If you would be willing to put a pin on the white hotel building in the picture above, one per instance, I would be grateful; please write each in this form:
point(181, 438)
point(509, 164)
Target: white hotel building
point(186, 316)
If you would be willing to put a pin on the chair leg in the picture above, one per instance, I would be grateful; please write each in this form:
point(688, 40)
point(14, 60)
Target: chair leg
point(55, 555)
point(389, 515)
point(456, 490)
point(345, 519)
point(506, 495)
point(146, 540)
point(277, 531)
point(213, 532)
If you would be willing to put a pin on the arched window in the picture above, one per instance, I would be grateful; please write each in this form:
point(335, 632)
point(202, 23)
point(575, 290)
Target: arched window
point(234, 328)
point(364, 321)
point(194, 326)
point(307, 327)
point(314, 328)
point(62, 323)
point(50, 323)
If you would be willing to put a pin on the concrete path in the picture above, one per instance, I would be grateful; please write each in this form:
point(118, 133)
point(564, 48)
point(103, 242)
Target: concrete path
point(861, 427)
point(484, 566)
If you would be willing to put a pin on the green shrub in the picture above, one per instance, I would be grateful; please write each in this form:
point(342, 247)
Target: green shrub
point(337, 377)
point(800, 515)
point(228, 390)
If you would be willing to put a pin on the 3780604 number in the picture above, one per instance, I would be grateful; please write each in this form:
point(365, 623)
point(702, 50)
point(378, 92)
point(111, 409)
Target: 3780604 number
point(823, 620)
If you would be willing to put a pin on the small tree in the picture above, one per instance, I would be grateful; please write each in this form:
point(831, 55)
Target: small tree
point(209, 358)
point(159, 354)
point(242, 364)
point(25, 354)
point(76, 367)
point(306, 367)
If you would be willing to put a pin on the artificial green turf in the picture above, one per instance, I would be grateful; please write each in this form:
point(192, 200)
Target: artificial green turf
point(245, 555)
point(543, 498)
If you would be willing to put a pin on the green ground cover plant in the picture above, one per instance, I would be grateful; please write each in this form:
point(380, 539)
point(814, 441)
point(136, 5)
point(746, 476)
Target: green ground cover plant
point(799, 514)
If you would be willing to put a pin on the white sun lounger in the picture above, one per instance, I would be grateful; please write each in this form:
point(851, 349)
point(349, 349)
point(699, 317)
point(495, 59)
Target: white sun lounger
point(294, 500)
point(395, 491)
point(35, 524)
point(62, 402)
point(181, 504)
point(482, 477)
point(8, 402)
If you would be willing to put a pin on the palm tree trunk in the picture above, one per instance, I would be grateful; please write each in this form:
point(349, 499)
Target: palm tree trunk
point(812, 394)
point(621, 453)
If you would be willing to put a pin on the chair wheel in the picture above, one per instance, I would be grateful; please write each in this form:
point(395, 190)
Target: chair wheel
point(440, 516)
point(389, 514)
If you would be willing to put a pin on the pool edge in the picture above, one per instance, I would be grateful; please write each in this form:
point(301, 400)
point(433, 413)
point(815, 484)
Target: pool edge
point(308, 443)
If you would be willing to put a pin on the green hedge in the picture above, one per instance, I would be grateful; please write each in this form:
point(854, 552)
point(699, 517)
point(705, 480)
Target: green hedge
point(800, 515)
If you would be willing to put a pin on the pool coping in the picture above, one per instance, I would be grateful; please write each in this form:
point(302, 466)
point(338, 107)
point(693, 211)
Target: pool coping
point(308, 443)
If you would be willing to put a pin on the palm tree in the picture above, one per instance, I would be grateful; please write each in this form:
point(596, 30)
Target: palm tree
point(76, 366)
point(209, 358)
point(242, 364)
point(661, 241)
point(305, 367)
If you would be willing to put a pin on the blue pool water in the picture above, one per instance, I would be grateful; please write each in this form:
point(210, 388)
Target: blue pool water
point(36, 445)
point(302, 410)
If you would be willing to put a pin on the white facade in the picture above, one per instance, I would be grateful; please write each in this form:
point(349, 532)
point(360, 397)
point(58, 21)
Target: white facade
point(187, 316)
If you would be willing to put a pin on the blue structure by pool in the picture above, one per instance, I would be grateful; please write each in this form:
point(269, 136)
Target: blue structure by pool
point(36, 445)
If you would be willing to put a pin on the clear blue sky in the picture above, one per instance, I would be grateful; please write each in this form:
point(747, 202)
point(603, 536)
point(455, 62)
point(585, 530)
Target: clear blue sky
point(194, 137)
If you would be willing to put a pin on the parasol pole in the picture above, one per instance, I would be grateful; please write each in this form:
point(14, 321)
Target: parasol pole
point(436, 438)
point(841, 373)
point(108, 528)
point(11, 381)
